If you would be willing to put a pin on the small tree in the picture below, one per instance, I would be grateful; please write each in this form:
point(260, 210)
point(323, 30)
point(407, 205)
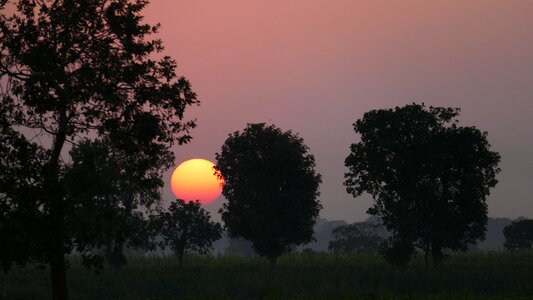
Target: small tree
point(271, 187)
point(519, 235)
point(187, 227)
point(356, 237)
point(114, 186)
point(428, 176)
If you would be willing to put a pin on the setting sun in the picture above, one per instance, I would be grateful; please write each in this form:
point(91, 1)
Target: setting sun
point(194, 179)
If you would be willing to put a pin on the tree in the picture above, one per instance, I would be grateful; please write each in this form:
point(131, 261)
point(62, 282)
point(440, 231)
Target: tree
point(519, 235)
point(428, 176)
point(71, 70)
point(187, 227)
point(113, 186)
point(271, 187)
point(356, 237)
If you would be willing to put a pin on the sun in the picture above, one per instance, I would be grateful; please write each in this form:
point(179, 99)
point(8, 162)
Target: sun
point(194, 179)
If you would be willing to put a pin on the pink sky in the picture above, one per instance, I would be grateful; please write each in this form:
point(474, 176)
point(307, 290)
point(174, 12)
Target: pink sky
point(316, 66)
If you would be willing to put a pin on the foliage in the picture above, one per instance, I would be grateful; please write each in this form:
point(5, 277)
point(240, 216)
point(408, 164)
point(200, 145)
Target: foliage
point(428, 176)
point(271, 187)
point(20, 179)
point(71, 70)
point(113, 187)
point(481, 275)
point(187, 227)
point(356, 237)
point(519, 235)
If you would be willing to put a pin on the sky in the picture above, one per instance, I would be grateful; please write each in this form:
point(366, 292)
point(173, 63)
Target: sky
point(316, 66)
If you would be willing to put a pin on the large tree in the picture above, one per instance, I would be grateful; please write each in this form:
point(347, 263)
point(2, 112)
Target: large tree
point(186, 226)
point(428, 176)
point(71, 70)
point(519, 235)
point(272, 188)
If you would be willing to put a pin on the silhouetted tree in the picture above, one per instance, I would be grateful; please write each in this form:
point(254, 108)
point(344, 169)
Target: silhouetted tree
point(68, 70)
point(356, 237)
point(271, 187)
point(428, 176)
point(187, 227)
point(114, 187)
point(519, 235)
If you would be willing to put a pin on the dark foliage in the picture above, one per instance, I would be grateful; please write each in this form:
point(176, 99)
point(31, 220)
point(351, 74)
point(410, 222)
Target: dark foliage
point(186, 227)
point(271, 187)
point(356, 237)
point(117, 190)
point(519, 235)
point(71, 70)
point(466, 276)
point(428, 176)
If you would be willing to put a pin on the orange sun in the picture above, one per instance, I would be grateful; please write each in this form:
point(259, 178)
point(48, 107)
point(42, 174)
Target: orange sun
point(194, 179)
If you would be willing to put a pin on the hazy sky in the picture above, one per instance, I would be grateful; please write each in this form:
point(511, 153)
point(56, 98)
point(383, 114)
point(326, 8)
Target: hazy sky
point(316, 66)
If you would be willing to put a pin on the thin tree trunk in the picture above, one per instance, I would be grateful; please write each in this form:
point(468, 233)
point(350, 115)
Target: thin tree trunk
point(179, 251)
point(59, 277)
point(272, 261)
point(115, 257)
point(179, 254)
point(436, 255)
point(54, 191)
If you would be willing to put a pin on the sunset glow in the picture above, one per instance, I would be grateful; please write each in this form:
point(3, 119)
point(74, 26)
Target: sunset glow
point(194, 179)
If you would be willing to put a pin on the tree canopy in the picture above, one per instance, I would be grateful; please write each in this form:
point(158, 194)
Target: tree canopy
point(69, 71)
point(186, 227)
point(519, 235)
point(271, 186)
point(429, 178)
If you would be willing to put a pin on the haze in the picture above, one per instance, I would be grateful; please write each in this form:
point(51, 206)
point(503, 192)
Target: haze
point(317, 66)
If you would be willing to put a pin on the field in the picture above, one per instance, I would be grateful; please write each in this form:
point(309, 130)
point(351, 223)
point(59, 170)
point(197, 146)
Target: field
point(494, 275)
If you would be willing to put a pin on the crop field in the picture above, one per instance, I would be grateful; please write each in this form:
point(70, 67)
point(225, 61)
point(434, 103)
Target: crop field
point(482, 275)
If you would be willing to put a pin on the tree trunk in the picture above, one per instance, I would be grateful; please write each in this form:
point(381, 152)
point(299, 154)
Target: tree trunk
point(59, 277)
point(115, 257)
point(272, 261)
point(180, 260)
point(436, 255)
point(179, 252)
point(54, 192)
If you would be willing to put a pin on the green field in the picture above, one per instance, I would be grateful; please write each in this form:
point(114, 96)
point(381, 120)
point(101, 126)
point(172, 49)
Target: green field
point(298, 276)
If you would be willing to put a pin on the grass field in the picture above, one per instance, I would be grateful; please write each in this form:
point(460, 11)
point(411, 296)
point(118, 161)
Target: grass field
point(298, 276)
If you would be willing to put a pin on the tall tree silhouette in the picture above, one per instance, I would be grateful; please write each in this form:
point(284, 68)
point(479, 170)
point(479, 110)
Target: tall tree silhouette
point(271, 187)
point(428, 176)
point(69, 70)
